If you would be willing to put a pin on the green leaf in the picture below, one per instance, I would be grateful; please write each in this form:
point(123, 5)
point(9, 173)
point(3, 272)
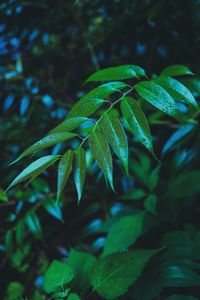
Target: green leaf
point(82, 265)
point(33, 223)
point(150, 204)
point(89, 103)
point(176, 70)
point(68, 125)
point(178, 136)
point(134, 194)
point(36, 296)
point(153, 178)
point(124, 233)
point(113, 274)
point(137, 121)
point(101, 152)
point(158, 97)
point(186, 185)
point(117, 73)
point(179, 276)
point(79, 170)
point(180, 245)
point(34, 169)
point(57, 276)
point(73, 296)
point(176, 89)
point(3, 196)
point(64, 170)
point(14, 291)
point(46, 142)
point(193, 84)
point(114, 132)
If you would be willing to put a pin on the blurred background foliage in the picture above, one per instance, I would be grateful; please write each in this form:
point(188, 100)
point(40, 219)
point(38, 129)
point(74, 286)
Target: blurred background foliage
point(47, 49)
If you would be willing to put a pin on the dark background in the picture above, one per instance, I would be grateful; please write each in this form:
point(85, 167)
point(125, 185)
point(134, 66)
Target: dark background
point(47, 49)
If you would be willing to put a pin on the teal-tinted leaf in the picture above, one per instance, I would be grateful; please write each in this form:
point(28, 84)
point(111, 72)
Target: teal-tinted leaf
point(79, 170)
point(117, 73)
point(186, 185)
point(114, 132)
point(101, 152)
point(176, 137)
point(82, 265)
point(46, 142)
point(176, 70)
point(158, 97)
point(73, 296)
point(113, 274)
point(33, 223)
point(179, 276)
point(89, 103)
point(64, 170)
point(137, 121)
point(150, 204)
point(124, 233)
point(57, 276)
point(176, 89)
point(34, 169)
point(3, 196)
point(68, 125)
point(53, 209)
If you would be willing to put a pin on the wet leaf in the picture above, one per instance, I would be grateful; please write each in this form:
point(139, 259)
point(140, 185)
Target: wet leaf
point(117, 73)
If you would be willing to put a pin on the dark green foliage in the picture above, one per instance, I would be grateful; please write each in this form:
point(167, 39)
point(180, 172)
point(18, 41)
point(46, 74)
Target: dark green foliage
point(83, 265)
point(57, 276)
point(124, 233)
point(78, 116)
point(114, 274)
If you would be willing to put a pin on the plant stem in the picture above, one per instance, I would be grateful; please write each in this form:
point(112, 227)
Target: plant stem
point(111, 106)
